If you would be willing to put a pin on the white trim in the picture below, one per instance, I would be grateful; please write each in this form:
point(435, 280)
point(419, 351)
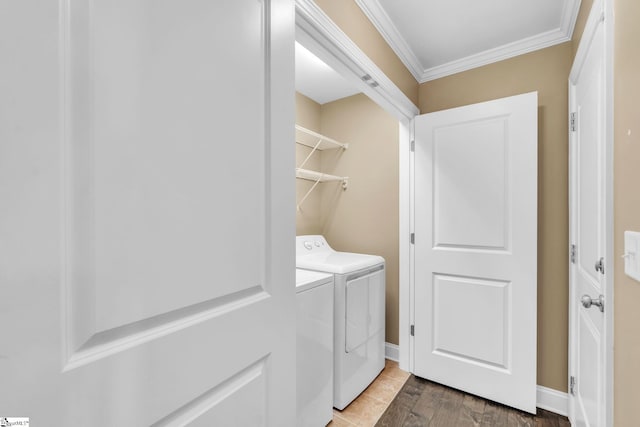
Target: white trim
point(569, 17)
point(404, 245)
point(609, 25)
point(391, 351)
point(595, 17)
point(510, 50)
point(387, 29)
point(319, 34)
point(385, 26)
point(552, 400)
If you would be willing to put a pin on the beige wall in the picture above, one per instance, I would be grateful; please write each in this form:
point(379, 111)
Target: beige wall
point(364, 218)
point(627, 210)
point(350, 18)
point(545, 71)
point(308, 220)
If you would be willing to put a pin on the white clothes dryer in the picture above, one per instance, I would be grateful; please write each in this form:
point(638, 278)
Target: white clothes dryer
point(359, 313)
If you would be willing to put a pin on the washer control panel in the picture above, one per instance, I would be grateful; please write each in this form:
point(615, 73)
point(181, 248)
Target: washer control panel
point(311, 244)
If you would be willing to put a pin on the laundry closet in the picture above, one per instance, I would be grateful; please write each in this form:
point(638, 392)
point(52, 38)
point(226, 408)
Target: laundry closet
point(347, 184)
point(363, 217)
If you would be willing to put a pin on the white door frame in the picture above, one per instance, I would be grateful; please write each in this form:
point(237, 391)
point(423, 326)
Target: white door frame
point(602, 10)
point(320, 35)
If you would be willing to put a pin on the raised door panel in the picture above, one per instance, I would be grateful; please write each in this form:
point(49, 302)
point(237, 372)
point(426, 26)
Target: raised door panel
point(156, 232)
point(472, 320)
point(589, 370)
point(590, 129)
point(470, 185)
point(219, 406)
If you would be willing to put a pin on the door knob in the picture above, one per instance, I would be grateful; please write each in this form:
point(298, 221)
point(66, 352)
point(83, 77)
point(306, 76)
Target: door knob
point(587, 302)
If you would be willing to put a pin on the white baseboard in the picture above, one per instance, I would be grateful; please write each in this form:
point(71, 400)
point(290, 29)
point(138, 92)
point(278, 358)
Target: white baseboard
point(552, 400)
point(391, 351)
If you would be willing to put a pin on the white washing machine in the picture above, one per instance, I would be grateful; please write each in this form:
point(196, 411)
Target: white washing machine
point(359, 294)
point(314, 358)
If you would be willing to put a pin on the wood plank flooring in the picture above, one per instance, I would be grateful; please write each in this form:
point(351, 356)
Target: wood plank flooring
point(424, 403)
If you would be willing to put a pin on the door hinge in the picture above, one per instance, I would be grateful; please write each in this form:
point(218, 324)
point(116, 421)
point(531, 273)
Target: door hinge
point(572, 385)
point(413, 146)
point(573, 254)
point(413, 238)
point(572, 122)
point(600, 265)
point(412, 330)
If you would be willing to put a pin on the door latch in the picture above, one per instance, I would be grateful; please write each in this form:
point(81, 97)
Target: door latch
point(600, 265)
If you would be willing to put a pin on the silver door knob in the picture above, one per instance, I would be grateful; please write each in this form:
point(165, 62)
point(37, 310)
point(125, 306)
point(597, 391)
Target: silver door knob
point(587, 302)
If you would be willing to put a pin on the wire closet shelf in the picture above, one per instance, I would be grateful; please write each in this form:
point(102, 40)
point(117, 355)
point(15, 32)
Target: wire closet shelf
point(317, 142)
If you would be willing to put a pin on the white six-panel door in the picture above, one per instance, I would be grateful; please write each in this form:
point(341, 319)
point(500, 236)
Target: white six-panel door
point(146, 227)
point(476, 249)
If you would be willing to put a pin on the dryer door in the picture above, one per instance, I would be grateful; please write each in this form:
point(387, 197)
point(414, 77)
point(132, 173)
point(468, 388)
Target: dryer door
point(365, 292)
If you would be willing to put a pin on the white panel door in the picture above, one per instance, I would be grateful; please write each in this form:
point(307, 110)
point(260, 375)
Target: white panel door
point(588, 219)
point(476, 249)
point(147, 269)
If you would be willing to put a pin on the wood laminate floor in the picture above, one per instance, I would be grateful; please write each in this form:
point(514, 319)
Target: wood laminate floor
point(424, 403)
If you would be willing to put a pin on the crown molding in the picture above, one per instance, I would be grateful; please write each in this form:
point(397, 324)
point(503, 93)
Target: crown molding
point(380, 19)
point(569, 17)
point(387, 29)
point(520, 47)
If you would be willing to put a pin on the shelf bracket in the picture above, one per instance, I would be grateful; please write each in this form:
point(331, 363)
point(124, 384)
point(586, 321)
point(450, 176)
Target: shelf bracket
point(317, 178)
point(311, 153)
point(307, 195)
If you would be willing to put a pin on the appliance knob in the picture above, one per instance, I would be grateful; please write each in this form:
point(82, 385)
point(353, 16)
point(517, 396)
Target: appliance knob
point(308, 245)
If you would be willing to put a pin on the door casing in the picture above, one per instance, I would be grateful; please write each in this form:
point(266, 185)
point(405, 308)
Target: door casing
point(317, 33)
